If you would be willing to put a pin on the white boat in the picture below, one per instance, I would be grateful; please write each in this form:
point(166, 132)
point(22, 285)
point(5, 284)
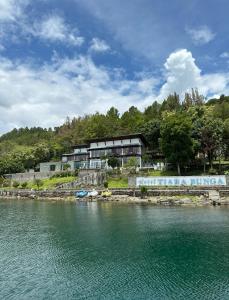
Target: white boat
point(92, 193)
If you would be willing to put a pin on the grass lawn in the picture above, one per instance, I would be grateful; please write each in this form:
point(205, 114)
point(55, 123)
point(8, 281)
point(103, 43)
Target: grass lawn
point(118, 183)
point(51, 183)
point(173, 173)
point(161, 173)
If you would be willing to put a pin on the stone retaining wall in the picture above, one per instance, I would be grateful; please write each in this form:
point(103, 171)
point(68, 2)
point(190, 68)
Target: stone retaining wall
point(29, 176)
point(125, 192)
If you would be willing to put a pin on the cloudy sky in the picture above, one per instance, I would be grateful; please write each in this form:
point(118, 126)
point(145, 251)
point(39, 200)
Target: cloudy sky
point(63, 58)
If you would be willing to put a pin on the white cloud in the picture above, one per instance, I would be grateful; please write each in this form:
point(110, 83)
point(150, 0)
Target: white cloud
point(16, 25)
point(10, 9)
point(55, 29)
point(224, 55)
point(182, 74)
point(45, 95)
point(201, 35)
point(98, 45)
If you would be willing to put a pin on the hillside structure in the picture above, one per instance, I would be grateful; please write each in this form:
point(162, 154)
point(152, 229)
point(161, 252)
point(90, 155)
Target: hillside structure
point(94, 154)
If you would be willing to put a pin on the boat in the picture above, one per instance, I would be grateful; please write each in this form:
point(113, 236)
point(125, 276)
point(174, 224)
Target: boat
point(81, 194)
point(106, 193)
point(92, 193)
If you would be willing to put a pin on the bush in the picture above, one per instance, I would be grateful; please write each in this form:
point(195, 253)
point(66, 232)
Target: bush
point(105, 185)
point(1, 180)
point(24, 185)
point(143, 190)
point(226, 173)
point(16, 184)
point(75, 173)
point(66, 167)
point(212, 171)
point(65, 174)
point(38, 183)
point(6, 183)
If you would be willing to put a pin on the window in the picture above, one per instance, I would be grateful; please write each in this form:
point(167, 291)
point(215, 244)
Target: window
point(97, 153)
point(132, 150)
point(117, 151)
point(52, 168)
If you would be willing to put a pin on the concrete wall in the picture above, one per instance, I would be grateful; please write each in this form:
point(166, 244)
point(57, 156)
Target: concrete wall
point(132, 184)
point(47, 166)
point(227, 179)
point(22, 177)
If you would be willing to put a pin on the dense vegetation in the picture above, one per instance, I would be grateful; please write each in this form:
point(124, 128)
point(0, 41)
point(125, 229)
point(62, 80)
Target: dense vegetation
point(187, 132)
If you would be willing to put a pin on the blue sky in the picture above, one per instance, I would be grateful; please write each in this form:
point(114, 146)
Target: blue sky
point(63, 58)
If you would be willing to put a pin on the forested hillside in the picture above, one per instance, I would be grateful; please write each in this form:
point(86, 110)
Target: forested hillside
point(181, 129)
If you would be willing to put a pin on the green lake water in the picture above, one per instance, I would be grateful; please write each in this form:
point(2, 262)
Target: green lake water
point(112, 251)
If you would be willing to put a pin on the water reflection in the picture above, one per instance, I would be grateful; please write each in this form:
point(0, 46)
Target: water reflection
point(112, 251)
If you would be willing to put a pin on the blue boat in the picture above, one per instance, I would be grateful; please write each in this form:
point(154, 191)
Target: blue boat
point(81, 194)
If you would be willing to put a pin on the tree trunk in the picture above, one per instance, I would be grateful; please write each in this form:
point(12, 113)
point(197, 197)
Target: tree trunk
point(210, 159)
point(219, 165)
point(178, 169)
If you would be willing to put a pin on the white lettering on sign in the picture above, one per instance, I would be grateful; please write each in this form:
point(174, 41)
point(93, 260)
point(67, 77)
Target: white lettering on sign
point(182, 181)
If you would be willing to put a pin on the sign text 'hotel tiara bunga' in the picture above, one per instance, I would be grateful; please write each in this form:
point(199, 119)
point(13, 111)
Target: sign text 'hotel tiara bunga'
point(182, 181)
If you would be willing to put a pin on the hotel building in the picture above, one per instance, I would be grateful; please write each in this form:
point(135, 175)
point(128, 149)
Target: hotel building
point(93, 154)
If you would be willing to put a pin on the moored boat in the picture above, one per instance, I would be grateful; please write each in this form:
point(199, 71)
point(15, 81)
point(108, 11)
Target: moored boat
point(106, 193)
point(92, 193)
point(81, 194)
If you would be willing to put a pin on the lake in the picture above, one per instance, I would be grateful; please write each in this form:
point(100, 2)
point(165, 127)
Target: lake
point(51, 250)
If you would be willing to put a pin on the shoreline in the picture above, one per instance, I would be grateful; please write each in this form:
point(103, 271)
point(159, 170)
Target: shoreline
point(159, 200)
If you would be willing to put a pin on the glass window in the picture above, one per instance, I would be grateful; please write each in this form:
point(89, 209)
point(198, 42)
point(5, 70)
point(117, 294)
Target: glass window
point(132, 150)
point(52, 168)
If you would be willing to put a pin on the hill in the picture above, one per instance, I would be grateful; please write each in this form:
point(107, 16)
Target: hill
point(25, 148)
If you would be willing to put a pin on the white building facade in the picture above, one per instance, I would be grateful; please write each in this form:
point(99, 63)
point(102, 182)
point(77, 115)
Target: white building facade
point(94, 154)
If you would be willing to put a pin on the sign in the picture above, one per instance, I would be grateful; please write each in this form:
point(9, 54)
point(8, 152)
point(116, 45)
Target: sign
point(182, 181)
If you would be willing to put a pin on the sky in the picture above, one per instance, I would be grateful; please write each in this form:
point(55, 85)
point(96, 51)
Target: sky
point(62, 58)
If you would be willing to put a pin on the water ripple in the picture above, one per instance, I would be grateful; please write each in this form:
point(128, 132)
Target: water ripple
point(105, 251)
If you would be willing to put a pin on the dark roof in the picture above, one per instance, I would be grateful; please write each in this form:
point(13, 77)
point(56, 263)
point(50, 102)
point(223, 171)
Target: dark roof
point(80, 146)
point(120, 137)
point(73, 154)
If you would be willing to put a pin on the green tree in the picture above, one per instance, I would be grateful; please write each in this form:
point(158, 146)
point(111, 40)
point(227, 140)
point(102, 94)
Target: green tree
point(39, 183)
point(16, 184)
point(132, 120)
point(226, 137)
point(172, 103)
point(10, 165)
point(24, 185)
point(197, 98)
point(132, 164)
point(176, 140)
point(66, 167)
point(211, 137)
point(152, 112)
point(112, 122)
point(113, 162)
point(151, 131)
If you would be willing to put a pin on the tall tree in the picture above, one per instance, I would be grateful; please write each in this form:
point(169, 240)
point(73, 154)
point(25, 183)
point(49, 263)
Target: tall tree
point(176, 140)
point(132, 120)
point(153, 111)
point(211, 137)
point(172, 103)
point(113, 121)
point(151, 131)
